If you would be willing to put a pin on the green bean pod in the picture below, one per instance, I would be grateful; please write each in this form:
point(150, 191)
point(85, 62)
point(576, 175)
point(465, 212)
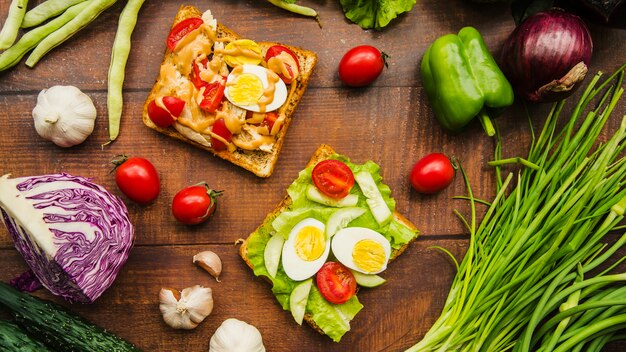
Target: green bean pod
point(12, 23)
point(90, 13)
point(46, 10)
point(14, 54)
point(119, 57)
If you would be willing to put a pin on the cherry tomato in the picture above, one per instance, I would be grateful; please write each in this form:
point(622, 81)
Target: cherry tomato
point(137, 179)
point(336, 283)
point(220, 129)
point(164, 118)
point(276, 50)
point(194, 204)
point(194, 77)
point(213, 95)
point(270, 119)
point(432, 173)
point(333, 178)
point(181, 29)
point(361, 65)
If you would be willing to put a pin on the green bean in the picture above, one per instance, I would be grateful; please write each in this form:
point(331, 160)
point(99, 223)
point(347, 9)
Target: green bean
point(119, 56)
point(14, 54)
point(62, 34)
point(12, 24)
point(295, 8)
point(46, 10)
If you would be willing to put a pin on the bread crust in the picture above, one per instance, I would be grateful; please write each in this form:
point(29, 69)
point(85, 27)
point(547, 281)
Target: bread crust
point(322, 153)
point(258, 162)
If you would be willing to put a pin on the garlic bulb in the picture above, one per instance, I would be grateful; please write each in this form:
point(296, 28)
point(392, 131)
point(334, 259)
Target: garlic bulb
point(186, 309)
point(236, 336)
point(64, 115)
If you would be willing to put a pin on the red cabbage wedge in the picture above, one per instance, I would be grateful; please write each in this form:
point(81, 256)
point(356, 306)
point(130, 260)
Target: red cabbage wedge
point(73, 234)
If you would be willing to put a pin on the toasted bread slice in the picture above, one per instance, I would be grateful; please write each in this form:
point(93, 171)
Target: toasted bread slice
point(322, 153)
point(261, 163)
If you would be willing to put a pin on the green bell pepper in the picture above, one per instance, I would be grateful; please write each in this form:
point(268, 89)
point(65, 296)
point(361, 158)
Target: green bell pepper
point(462, 80)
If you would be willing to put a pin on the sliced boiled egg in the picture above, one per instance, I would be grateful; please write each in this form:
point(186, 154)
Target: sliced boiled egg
point(306, 249)
point(361, 249)
point(255, 88)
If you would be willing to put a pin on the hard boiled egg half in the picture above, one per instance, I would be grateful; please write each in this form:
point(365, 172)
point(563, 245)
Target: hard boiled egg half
point(306, 249)
point(255, 88)
point(361, 249)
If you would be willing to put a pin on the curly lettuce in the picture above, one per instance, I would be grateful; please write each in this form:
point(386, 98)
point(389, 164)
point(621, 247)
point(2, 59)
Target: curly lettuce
point(375, 13)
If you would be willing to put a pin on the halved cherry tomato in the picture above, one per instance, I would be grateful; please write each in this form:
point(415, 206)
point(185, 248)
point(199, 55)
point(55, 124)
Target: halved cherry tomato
point(213, 95)
point(276, 50)
point(194, 77)
point(195, 204)
point(220, 129)
point(164, 118)
point(333, 178)
point(181, 29)
point(137, 179)
point(336, 283)
point(432, 173)
point(270, 119)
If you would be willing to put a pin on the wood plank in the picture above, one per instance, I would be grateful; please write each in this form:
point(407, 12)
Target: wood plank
point(417, 283)
point(85, 57)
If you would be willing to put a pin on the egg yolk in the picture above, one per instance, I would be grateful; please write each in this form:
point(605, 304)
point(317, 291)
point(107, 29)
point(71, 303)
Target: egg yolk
point(310, 243)
point(246, 89)
point(368, 255)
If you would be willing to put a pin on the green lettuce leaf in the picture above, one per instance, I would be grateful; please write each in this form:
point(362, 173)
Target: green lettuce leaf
point(375, 13)
point(333, 319)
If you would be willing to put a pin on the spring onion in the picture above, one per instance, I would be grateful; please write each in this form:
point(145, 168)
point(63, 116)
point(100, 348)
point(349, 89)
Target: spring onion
point(539, 270)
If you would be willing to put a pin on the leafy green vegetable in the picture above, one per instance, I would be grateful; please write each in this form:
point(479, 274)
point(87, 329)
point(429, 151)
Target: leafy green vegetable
point(375, 13)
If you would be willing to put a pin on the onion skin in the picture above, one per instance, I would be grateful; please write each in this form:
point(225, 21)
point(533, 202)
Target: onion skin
point(547, 56)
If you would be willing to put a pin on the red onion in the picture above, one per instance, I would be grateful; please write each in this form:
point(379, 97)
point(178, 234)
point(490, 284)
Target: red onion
point(546, 57)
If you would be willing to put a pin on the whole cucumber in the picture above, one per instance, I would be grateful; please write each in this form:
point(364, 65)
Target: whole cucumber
point(13, 338)
point(57, 327)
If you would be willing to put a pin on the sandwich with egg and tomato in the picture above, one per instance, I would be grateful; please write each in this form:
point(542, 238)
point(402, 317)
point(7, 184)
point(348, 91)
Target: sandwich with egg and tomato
point(231, 96)
point(335, 231)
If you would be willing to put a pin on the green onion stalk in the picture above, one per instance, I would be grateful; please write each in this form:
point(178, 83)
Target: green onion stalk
point(540, 272)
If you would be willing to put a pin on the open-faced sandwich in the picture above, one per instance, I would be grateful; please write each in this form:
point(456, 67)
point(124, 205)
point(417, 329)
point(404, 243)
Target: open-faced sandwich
point(336, 230)
point(233, 97)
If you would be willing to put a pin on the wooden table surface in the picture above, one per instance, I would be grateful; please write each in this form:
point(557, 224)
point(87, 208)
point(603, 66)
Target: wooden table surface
point(390, 122)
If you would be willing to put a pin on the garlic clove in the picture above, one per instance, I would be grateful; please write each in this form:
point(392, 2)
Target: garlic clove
point(210, 262)
point(186, 309)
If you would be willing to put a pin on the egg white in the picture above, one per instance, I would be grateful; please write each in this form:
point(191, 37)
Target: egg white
point(280, 90)
point(295, 267)
point(344, 240)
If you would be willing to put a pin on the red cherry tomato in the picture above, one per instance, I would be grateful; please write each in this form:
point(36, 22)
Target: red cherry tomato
point(361, 65)
point(213, 95)
point(336, 282)
point(220, 129)
point(270, 119)
point(181, 29)
point(432, 173)
point(137, 179)
point(164, 118)
point(333, 178)
point(194, 204)
point(194, 76)
point(276, 50)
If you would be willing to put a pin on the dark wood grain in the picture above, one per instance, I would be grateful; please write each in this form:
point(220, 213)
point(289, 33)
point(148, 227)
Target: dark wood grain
point(389, 122)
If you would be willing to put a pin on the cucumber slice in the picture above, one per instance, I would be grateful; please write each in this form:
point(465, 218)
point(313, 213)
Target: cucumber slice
point(272, 252)
point(341, 218)
point(380, 210)
point(298, 300)
point(312, 193)
point(367, 280)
